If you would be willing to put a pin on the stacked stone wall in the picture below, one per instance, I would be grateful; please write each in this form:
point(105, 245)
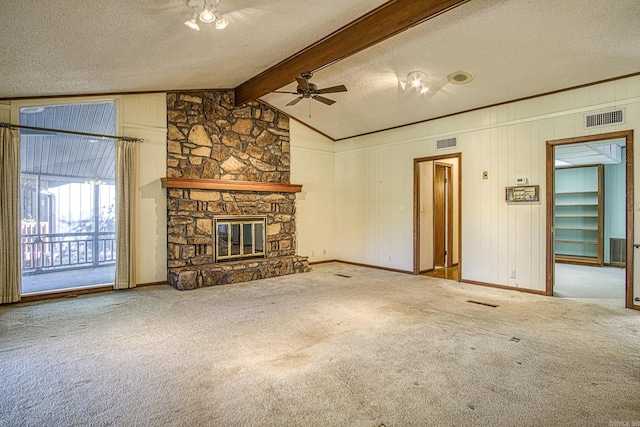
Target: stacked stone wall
point(192, 212)
point(209, 138)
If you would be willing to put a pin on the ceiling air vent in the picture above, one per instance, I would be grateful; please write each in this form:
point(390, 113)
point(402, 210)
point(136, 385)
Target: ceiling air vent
point(441, 144)
point(603, 119)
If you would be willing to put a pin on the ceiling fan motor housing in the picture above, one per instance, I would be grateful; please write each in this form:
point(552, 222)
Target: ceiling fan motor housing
point(313, 89)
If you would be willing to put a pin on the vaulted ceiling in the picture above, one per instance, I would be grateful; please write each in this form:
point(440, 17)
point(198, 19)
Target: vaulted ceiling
point(513, 48)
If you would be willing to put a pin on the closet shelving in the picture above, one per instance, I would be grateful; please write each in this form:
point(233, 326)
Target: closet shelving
point(579, 223)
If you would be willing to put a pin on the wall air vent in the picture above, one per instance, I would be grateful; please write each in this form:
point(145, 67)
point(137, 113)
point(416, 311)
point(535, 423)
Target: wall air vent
point(618, 251)
point(615, 117)
point(442, 144)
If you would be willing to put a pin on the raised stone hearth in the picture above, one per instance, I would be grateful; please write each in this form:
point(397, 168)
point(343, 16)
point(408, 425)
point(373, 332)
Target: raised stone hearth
point(211, 143)
point(235, 272)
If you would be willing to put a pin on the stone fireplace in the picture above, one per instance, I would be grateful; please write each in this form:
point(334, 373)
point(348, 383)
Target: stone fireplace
point(236, 238)
point(230, 206)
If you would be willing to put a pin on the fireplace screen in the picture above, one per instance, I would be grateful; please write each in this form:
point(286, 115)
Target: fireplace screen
point(240, 238)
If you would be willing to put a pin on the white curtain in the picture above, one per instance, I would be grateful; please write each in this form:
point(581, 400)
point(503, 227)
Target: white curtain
point(10, 273)
point(126, 162)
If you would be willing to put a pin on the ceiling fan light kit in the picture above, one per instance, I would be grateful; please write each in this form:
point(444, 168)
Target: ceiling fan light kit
point(416, 80)
point(208, 15)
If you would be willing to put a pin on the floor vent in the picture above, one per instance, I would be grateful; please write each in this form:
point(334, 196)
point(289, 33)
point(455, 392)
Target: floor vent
point(617, 251)
point(343, 275)
point(482, 303)
point(441, 144)
point(604, 119)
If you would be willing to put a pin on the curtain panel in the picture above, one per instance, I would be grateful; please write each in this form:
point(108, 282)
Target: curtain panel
point(126, 166)
point(10, 273)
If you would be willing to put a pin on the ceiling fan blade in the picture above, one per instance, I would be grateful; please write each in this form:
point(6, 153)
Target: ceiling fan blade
point(280, 91)
point(303, 83)
point(324, 100)
point(333, 89)
point(295, 101)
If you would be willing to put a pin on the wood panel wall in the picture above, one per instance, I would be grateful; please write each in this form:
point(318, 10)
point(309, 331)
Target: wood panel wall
point(374, 182)
point(312, 165)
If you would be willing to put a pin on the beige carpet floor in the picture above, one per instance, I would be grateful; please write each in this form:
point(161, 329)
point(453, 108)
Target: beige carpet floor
point(600, 285)
point(320, 349)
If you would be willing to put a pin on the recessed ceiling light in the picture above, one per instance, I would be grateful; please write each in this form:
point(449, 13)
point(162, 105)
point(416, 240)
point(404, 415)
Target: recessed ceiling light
point(460, 77)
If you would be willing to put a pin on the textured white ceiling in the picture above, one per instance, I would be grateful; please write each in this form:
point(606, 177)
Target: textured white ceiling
point(514, 48)
point(60, 47)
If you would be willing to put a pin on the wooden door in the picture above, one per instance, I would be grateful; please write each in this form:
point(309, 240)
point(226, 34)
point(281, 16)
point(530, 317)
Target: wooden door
point(442, 215)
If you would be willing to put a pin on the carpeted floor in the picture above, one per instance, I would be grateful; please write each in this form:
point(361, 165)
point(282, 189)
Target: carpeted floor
point(320, 349)
point(600, 285)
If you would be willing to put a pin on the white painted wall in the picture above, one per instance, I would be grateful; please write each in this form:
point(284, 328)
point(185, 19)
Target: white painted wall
point(145, 116)
point(312, 165)
point(374, 182)
point(5, 111)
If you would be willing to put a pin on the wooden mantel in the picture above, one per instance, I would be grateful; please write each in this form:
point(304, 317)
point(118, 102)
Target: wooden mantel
point(214, 184)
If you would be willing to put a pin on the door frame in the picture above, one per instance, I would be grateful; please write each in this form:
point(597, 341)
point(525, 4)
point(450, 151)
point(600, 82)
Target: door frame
point(448, 206)
point(550, 182)
point(416, 208)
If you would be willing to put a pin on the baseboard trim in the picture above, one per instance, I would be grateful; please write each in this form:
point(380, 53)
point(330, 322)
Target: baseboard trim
point(375, 266)
point(509, 288)
point(428, 270)
point(142, 285)
point(613, 264)
point(322, 262)
point(72, 293)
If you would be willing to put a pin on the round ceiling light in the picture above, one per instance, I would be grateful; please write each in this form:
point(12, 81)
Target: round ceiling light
point(207, 16)
point(221, 23)
point(460, 77)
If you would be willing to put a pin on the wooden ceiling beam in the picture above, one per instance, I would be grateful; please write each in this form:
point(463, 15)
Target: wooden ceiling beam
point(386, 21)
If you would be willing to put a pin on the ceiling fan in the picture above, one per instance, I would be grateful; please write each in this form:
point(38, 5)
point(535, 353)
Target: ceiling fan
point(309, 90)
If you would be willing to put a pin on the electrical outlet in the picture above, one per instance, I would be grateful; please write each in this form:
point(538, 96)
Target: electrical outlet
point(324, 251)
point(485, 174)
point(512, 274)
point(389, 257)
point(313, 253)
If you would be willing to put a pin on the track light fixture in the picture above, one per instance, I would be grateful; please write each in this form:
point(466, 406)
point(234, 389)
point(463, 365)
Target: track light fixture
point(416, 80)
point(208, 15)
point(193, 21)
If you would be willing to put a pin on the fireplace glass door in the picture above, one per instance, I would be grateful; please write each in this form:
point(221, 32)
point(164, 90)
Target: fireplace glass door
point(239, 238)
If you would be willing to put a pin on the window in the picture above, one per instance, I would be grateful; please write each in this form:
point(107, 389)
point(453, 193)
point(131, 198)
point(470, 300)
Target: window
point(67, 197)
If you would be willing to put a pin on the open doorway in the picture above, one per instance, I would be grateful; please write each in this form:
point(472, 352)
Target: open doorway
point(590, 218)
point(437, 195)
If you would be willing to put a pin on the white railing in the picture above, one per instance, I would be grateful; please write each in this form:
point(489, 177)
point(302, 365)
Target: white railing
point(43, 253)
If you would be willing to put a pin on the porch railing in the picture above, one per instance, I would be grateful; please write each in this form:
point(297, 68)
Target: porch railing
point(42, 253)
